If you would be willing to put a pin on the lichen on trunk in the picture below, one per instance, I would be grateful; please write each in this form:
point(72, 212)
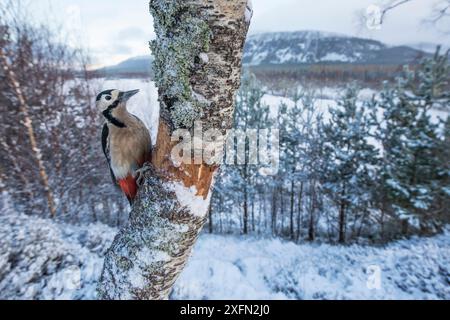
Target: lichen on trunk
point(198, 53)
point(182, 35)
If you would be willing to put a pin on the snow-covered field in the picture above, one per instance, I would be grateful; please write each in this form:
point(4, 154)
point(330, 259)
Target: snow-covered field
point(247, 268)
point(41, 259)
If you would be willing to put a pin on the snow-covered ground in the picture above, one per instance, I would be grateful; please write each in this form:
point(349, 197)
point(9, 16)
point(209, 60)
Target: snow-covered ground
point(247, 268)
point(41, 259)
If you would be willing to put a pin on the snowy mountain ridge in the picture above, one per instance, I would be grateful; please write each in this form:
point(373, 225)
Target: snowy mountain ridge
point(310, 47)
point(133, 65)
point(299, 48)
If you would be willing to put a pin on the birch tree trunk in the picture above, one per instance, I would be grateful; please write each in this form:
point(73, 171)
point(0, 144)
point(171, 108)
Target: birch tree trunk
point(28, 123)
point(197, 68)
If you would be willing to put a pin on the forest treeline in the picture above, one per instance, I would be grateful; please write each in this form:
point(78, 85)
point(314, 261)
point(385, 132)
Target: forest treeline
point(283, 79)
point(375, 169)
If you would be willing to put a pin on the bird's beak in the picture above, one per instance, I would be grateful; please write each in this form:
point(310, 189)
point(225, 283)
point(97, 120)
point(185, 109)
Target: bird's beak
point(128, 94)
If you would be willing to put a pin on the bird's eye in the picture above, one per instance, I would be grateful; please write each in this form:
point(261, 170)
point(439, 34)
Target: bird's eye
point(108, 98)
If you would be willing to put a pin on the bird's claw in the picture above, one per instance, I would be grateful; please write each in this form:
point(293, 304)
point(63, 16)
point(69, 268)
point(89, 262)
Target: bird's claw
point(140, 173)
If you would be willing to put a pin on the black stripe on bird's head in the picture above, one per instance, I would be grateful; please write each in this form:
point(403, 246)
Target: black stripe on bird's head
point(109, 100)
point(112, 98)
point(103, 93)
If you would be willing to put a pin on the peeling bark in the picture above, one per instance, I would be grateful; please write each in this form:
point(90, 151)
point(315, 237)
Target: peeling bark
point(198, 54)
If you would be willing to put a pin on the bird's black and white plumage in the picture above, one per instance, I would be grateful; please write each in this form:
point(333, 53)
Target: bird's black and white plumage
point(125, 140)
point(105, 146)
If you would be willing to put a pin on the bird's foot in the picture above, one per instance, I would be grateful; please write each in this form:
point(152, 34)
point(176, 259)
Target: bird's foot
point(140, 173)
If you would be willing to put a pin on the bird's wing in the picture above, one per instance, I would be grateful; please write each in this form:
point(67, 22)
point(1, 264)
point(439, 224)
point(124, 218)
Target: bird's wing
point(105, 146)
point(139, 121)
point(142, 124)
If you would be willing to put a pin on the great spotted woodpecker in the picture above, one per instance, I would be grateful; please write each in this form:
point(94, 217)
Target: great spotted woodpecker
point(125, 140)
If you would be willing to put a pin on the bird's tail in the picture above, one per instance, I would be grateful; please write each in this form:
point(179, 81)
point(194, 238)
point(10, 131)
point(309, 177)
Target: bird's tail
point(129, 187)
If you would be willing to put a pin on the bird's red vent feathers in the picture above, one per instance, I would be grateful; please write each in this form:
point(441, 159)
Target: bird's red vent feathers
point(129, 187)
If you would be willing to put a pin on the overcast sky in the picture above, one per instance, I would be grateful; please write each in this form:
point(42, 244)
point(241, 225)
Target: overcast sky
point(119, 29)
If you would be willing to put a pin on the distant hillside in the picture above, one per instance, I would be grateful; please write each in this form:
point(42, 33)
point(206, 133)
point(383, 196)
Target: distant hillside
point(314, 47)
point(296, 49)
point(428, 46)
point(136, 66)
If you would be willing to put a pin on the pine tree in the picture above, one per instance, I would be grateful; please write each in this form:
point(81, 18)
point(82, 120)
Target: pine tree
point(298, 133)
point(310, 163)
point(414, 171)
point(251, 114)
point(240, 182)
point(349, 160)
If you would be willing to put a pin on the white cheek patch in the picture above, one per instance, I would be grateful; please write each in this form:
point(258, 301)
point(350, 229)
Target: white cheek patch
point(101, 106)
point(104, 104)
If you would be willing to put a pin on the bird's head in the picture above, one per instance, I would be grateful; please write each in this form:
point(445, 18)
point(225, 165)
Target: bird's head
point(110, 99)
